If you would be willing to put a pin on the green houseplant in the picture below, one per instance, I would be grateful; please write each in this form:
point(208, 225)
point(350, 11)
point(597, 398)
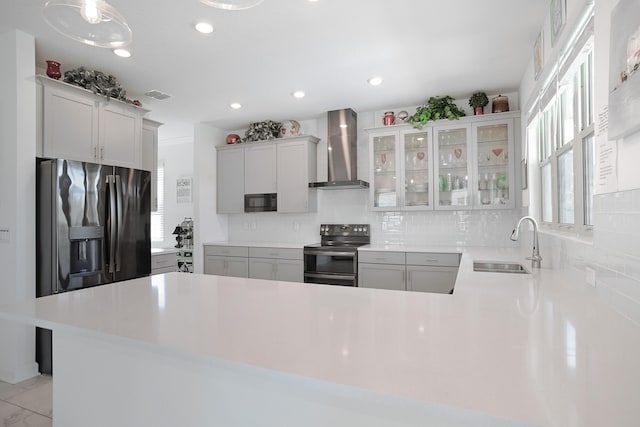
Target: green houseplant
point(478, 101)
point(436, 108)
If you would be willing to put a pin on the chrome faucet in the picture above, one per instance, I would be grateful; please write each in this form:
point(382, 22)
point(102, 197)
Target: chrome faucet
point(535, 258)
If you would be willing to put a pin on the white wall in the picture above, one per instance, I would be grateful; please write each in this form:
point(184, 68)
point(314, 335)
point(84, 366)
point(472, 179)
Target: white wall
point(208, 225)
point(17, 199)
point(177, 156)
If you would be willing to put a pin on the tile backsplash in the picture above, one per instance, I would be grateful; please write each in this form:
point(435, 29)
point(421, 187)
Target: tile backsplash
point(463, 228)
point(614, 252)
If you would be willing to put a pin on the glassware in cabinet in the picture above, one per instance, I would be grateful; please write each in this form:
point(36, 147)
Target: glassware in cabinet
point(494, 169)
point(416, 175)
point(452, 151)
point(384, 166)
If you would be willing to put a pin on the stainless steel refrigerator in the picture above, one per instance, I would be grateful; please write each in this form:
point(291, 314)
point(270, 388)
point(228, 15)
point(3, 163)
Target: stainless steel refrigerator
point(93, 227)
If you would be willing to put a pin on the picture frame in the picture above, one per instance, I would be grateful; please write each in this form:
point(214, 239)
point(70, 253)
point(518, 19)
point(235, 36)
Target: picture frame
point(538, 56)
point(558, 17)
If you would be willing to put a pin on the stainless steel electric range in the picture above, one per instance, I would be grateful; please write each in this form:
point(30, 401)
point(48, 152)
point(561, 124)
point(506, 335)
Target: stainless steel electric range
point(334, 261)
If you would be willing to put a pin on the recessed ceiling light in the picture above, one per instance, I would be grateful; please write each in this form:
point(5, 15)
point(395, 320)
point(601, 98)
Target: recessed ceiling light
point(298, 94)
point(235, 105)
point(375, 81)
point(122, 53)
point(204, 27)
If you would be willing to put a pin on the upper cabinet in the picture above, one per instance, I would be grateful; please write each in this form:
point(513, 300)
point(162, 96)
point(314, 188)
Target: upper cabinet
point(230, 180)
point(260, 169)
point(76, 124)
point(150, 156)
point(284, 166)
point(464, 164)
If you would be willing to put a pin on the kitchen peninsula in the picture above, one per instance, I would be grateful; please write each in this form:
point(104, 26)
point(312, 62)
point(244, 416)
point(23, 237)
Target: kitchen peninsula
point(187, 349)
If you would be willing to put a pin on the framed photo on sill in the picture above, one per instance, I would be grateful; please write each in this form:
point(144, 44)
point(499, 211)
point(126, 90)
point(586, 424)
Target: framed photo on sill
point(558, 15)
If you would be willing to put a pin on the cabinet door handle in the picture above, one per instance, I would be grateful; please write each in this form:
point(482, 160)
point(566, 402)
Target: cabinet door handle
point(101, 153)
point(404, 276)
point(431, 260)
point(95, 152)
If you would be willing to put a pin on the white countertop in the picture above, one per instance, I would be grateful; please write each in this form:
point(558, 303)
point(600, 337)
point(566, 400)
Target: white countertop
point(377, 247)
point(260, 244)
point(537, 348)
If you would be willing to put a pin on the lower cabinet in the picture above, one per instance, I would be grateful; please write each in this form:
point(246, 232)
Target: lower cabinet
point(410, 271)
point(226, 260)
point(282, 264)
point(163, 263)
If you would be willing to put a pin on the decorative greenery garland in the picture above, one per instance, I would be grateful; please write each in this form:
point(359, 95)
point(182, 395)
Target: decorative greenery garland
point(436, 108)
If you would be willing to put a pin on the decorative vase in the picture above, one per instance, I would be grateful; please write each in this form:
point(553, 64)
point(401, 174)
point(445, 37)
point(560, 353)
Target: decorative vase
point(478, 111)
point(232, 138)
point(389, 118)
point(500, 104)
point(53, 69)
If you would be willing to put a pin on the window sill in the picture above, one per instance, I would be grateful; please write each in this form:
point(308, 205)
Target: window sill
point(584, 238)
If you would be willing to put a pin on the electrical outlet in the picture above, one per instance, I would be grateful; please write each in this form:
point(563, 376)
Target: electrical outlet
point(5, 235)
point(254, 225)
point(590, 276)
point(296, 226)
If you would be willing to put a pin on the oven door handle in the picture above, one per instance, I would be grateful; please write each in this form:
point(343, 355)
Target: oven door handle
point(329, 276)
point(330, 253)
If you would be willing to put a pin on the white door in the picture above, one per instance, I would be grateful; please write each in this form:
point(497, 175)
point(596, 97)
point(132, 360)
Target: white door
point(120, 134)
point(381, 276)
point(230, 177)
point(70, 126)
point(293, 177)
point(439, 280)
point(260, 169)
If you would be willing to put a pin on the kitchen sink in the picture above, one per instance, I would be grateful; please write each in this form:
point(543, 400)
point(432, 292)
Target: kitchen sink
point(499, 267)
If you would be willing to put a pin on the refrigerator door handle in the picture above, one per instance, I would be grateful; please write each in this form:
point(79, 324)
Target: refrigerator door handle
point(111, 224)
point(119, 225)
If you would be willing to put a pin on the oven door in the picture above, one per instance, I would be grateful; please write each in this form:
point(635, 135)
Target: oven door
point(330, 267)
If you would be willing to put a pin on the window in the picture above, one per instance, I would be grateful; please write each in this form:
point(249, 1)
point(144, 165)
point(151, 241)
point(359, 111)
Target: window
point(157, 217)
point(565, 125)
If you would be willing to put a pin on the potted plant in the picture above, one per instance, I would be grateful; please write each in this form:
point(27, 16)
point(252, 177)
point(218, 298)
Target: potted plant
point(436, 108)
point(477, 101)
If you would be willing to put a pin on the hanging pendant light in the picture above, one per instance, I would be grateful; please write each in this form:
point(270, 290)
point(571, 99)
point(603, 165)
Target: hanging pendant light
point(232, 4)
point(93, 22)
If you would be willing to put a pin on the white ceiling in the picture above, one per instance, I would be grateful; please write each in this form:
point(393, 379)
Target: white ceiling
point(327, 48)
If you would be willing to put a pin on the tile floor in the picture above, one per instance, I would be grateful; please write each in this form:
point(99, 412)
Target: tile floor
point(26, 404)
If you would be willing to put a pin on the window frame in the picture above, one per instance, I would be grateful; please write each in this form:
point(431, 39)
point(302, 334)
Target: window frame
point(550, 122)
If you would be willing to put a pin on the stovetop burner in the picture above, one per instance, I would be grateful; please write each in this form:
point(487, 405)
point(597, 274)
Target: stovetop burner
point(343, 236)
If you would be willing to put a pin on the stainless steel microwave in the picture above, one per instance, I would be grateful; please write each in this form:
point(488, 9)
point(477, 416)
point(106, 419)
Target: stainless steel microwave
point(261, 202)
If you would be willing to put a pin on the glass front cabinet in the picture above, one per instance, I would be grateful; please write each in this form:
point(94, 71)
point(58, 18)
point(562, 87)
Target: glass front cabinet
point(446, 166)
point(401, 169)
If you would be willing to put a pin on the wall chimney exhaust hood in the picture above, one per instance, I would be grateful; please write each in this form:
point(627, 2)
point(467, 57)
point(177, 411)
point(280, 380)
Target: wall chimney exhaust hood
point(342, 152)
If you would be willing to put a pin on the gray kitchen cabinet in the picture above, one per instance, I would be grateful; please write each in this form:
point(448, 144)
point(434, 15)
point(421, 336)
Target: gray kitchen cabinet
point(150, 156)
point(75, 124)
point(226, 260)
point(230, 180)
point(381, 276)
point(381, 270)
point(163, 263)
point(260, 169)
point(296, 168)
point(276, 264)
point(411, 271)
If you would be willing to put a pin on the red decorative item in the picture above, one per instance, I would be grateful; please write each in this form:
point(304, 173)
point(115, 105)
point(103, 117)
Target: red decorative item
point(53, 69)
point(232, 138)
point(478, 111)
point(389, 118)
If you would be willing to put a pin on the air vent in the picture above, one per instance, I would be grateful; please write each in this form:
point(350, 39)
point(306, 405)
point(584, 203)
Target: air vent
point(156, 94)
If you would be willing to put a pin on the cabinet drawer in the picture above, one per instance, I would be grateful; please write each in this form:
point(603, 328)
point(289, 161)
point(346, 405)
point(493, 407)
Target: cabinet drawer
point(275, 253)
point(168, 269)
point(435, 259)
point(163, 260)
point(242, 251)
point(382, 257)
